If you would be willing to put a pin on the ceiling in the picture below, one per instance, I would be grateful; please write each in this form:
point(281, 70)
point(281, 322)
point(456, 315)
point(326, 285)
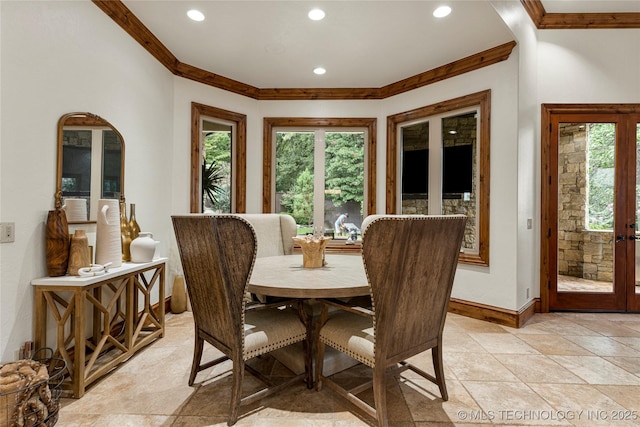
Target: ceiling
point(361, 44)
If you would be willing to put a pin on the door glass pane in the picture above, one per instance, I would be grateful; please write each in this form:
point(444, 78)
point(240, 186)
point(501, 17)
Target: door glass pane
point(415, 169)
point(216, 167)
point(294, 177)
point(586, 200)
point(344, 184)
point(459, 166)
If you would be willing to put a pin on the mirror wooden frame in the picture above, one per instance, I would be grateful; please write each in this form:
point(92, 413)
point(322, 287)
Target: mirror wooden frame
point(83, 119)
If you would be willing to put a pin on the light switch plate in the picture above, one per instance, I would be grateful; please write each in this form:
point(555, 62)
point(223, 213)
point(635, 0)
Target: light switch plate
point(7, 232)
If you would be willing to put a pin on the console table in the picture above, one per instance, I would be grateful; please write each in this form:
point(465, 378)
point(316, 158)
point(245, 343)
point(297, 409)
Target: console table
point(121, 318)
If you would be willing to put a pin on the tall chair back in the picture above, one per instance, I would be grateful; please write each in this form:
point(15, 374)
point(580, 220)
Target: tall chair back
point(410, 263)
point(217, 255)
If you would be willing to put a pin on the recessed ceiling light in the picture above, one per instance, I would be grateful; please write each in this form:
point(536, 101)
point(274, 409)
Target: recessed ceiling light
point(442, 11)
point(452, 132)
point(319, 71)
point(196, 15)
point(316, 14)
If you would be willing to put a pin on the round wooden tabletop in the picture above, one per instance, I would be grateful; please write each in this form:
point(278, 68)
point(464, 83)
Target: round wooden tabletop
point(283, 276)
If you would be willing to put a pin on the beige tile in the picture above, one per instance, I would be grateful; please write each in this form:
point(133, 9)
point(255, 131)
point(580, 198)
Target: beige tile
point(503, 343)
point(488, 367)
point(475, 325)
point(114, 420)
point(479, 367)
point(626, 396)
point(633, 342)
point(608, 328)
point(426, 405)
point(583, 405)
point(603, 346)
point(511, 404)
point(460, 342)
point(596, 370)
point(630, 364)
point(554, 344)
point(537, 369)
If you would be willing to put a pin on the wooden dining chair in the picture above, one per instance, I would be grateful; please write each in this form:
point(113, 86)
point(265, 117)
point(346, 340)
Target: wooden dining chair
point(410, 263)
point(217, 254)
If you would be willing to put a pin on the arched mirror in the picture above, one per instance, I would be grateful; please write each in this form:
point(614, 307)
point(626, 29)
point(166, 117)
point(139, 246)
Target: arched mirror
point(90, 165)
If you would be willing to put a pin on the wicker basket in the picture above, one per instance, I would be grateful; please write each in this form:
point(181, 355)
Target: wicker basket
point(35, 404)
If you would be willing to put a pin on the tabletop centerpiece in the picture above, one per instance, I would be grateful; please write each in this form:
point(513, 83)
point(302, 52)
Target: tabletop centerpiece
point(312, 249)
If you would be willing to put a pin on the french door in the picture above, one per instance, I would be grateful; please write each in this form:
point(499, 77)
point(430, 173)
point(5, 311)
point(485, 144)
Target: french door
point(591, 184)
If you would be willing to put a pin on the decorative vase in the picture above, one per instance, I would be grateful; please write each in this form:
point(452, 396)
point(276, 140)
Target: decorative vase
point(108, 237)
point(133, 223)
point(75, 209)
point(57, 243)
point(78, 252)
point(125, 233)
point(178, 295)
point(143, 247)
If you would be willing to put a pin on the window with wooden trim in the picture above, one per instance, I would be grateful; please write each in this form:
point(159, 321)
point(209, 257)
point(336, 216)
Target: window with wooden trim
point(218, 160)
point(318, 169)
point(438, 164)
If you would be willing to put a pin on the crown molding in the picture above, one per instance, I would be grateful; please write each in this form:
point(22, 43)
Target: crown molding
point(572, 21)
point(119, 13)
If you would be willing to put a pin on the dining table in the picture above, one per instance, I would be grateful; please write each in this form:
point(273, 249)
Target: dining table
point(342, 276)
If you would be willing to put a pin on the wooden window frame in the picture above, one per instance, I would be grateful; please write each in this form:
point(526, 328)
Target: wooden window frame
point(238, 156)
point(304, 122)
point(481, 99)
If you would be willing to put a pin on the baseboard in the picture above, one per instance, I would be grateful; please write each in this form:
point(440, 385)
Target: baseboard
point(511, 318)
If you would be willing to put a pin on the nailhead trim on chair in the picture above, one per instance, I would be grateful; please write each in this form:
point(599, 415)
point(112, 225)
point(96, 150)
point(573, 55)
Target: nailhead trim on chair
point(340, 330)
point(286, 323)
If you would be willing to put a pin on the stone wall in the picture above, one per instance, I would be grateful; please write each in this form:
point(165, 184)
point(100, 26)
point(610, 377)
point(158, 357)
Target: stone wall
point(417, 204)
point(583, 253)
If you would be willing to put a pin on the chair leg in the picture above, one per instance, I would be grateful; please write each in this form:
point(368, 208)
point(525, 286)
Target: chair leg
point(319, 364)
point(236, 391)
point(380, 396)
point(197, 356)
point(436, 355)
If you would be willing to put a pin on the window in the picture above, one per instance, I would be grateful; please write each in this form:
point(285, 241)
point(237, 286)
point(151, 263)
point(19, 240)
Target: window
point(218, 160)
point(438, 162)
point(318, 169)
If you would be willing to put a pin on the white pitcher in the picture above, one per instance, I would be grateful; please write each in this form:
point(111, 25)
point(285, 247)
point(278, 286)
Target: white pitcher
point(76, 209)
point(108, 239)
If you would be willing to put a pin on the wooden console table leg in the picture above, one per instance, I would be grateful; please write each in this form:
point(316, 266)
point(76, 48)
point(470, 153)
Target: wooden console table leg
point(40, 332)
point(161, 300)
point(79, 345)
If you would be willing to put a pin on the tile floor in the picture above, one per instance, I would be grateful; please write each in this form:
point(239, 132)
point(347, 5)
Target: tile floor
point(560, 369)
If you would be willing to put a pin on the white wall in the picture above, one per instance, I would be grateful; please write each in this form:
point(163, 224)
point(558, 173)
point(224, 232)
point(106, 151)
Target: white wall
point(494, 285)
point(589, 66)
point(528, 157)
point(60, 57)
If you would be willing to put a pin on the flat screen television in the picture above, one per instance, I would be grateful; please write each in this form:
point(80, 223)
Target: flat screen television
point(457, 170)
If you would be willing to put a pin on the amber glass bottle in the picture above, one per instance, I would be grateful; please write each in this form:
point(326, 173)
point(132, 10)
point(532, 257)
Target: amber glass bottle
point(133, 223)
point(125, 232)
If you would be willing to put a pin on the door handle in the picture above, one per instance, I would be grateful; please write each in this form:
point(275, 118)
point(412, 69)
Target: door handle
point(633, 237)
point(620, 238)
